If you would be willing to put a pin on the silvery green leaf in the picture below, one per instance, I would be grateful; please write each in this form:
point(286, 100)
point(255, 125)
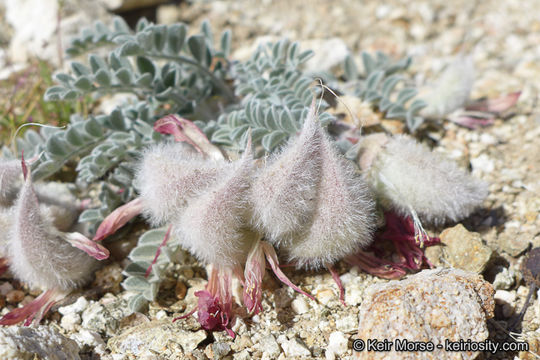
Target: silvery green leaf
point(325, 119)
point(93, 128)
point(96, 63)
point(45, 168)
point(197, 47)
point(120, 26)
point(70, 95)
point(83, 83)
point(136, 269)
point(152, 237)
point(270, 141)
point(146, 66)
point(176, 35)
point(137, 303)
point(136, 283)
point(73, 137)
point(373, 80)
point(160, 36)
point(151, 292)
point(371, 96)
point(54, 93)
point(305, 56)
point(405, 95)
point(388, 85)
point(143, 253)
point(414, 122)
point(369, 63)
point(90, 215)
point(226, 43)
point(351, 71)
point(65, 79)
point(103, 78)
point(237, 133)
point(124, 76)
point(222, 136)
point(144, 39)
point(130, 48)
point(141, 24)
point(116, 120)
point(80, 69)
point(396, 112)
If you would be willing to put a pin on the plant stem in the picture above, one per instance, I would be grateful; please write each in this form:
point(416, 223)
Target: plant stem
point(218, 82)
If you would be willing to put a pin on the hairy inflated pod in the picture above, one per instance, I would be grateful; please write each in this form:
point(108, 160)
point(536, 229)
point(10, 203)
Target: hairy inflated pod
point(409, 178)
point(343, 219)
point(285, 190)
point(215, 225)
point(40, 254)
point(10, 175)
point(171, 174)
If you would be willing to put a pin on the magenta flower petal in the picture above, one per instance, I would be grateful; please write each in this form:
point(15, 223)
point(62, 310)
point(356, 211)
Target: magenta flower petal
point(273, 261)
point(118, 218)
point(34, 311)
point(90, 247)
point(338, 282)
point(184, 130)
point(497, 105)
point(253, 274)
point(473, 122)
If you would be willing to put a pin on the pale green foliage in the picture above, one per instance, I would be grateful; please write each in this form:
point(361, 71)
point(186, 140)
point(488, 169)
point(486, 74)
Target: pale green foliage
point(142, 255)
point(275, 95)
point(378, 86)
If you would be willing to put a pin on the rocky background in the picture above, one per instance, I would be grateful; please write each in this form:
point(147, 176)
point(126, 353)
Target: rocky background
point(503, 39)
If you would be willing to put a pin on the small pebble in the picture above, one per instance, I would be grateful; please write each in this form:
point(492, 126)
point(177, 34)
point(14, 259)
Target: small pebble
point(180, 290)
point(337, 345)
point(299, 305)
point(14, 296)
point(5, 288)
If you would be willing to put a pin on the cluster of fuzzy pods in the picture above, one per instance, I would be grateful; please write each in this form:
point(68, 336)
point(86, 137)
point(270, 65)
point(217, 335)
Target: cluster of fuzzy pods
point(40, 241)
point(306, 201)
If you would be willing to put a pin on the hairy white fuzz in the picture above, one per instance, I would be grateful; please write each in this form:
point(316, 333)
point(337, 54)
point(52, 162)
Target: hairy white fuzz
point(343, 219)
point(10, 175)
point(284, 192)
point(407, 176)
point(452, 89)
point(214, 225)
point(169, 175)
point(39, 253)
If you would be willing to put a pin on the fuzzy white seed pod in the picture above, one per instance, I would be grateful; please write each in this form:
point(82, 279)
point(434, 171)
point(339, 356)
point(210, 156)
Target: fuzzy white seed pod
point(452, 89)
point(40, 255)
point(169, 175)
point(10, 175)
point(343, 219)
point(284, 192)
point(407, 177)
point(6, 222)
point(214, 226)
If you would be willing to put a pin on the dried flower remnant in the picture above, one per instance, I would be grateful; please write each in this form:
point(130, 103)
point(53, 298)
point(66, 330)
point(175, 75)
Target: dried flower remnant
point(530, 268)
point(44, 257)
